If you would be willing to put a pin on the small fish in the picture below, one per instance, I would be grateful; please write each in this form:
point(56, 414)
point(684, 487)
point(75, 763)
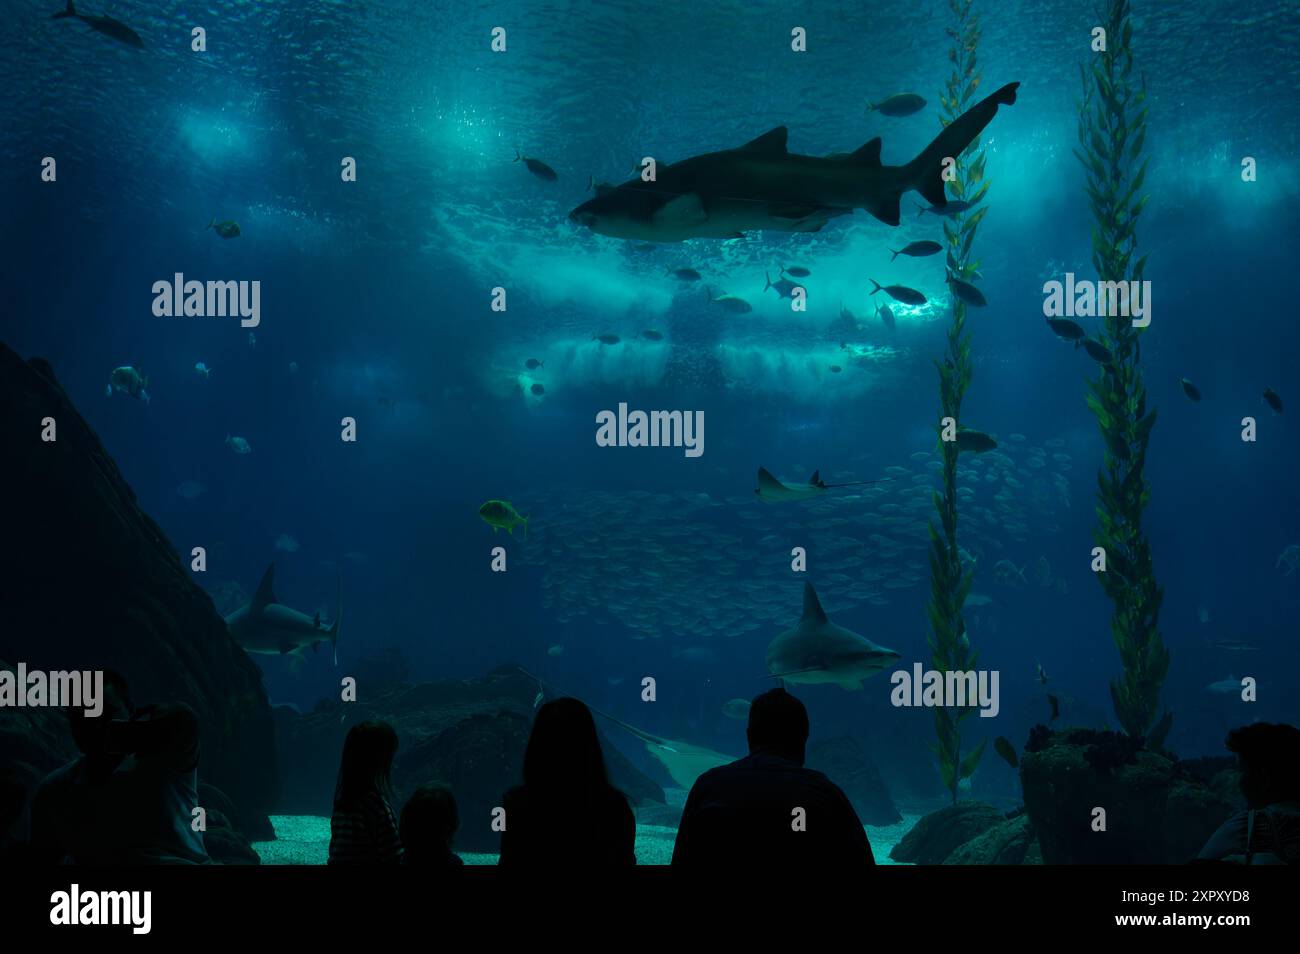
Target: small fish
point(903, 104)
point(730, 303)
point(886, 314)
point(977, 442)
point(286, 543)
point(1067, 330)
point(538, 389)
point(537, 699)
point(537, 167)
point(1041, 674)
point(652, 335)
point(1191, 390)
point(501, 515)
point(1056, 706)
point(918, 249)
point(252, 340)
point(190, 490)
point(227, 229)
point(1008, 751)
point(908, 296)
point(798, 271)
point(1225, 687)
point(1233, 646)
point(784, 287)
point(113, 29)
point(1097, 351)
point(202, 370)
point(556, 650)
point(736, 708)
point(532, 364)
point(293, 367)
point(238, 445)
point(127, 380)
point(978, 599)
point(606, 339)
point(967, 292)
point(1273, 401)
point(836, 369)
point(685, 274)
point(954, 207)
point(1202, 614)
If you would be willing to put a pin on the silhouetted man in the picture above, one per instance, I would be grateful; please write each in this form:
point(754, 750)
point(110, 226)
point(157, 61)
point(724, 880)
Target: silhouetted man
point(129, 799)
point(767, 810)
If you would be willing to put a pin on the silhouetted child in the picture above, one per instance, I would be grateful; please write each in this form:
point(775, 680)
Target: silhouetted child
point(363, 830)
point(566, 812)
point(1268, 831)
point(428, 826)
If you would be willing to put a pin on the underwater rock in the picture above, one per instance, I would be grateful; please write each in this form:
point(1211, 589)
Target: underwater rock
point(1156, 811)
point(936, 836)
point(469, 734)
point(94, 583)
point(33, 742)
point(1012, 842)
point(225, 845)
point(845, 763)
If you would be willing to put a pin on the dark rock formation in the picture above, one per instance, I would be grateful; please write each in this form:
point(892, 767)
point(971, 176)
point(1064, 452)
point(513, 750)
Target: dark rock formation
point(1011, 842)
point(91, 582)
point(936, 836)
point(844, 762)
point(469, 734)
point(1156, 811)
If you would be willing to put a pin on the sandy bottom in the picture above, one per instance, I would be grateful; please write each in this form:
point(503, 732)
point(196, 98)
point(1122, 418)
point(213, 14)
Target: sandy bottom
point(305, 840)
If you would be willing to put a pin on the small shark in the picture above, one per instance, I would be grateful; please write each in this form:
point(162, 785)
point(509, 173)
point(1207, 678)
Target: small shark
point(818, 651)
point(1225, 687)
point(761, 185)
point(268, 627)
point(114, 29)
point(771, 490)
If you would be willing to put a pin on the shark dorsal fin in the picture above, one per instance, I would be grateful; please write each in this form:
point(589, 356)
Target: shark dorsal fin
point(771, 141)
point(767, 481)
point(868, 153)
point(265, 590)
point(812, 609)
point(815, 479)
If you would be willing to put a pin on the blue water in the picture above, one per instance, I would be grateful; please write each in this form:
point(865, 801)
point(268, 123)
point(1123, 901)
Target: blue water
point(378, 292)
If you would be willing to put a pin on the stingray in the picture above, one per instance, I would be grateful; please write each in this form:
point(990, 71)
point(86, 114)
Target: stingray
point(684, 761)
point(771, 490)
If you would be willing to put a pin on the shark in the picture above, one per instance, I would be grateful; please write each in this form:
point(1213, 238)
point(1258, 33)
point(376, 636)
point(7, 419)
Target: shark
point(114, 29)
point(816, 651)
point(762, 185)
point(268, 627)
point(684, 761)
point(771, 490)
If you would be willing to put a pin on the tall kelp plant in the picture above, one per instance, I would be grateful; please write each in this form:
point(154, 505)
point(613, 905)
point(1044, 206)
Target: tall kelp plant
point(949, 581)
point(1112, 130)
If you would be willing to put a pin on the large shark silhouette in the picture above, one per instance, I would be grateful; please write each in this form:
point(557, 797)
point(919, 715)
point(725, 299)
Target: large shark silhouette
point(761, 185)
point(771, 490)
point(817, 651)
point(268, 627)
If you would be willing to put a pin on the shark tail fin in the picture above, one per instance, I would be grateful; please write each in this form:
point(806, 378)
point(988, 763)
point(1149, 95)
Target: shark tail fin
point(338, 619)
point(925, 172)
point(69, 12)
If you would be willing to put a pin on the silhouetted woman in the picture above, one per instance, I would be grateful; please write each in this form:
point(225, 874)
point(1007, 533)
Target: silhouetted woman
point(363, 830)
point(566, 812)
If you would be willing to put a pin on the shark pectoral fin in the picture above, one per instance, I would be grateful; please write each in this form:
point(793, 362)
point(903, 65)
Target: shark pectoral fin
point(794, 672)
point(684, 210)
point(887, 209)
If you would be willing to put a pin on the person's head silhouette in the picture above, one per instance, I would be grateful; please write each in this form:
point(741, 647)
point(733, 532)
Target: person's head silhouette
point(429, 823)
point(563, 752)
point(778, 725)
point(1269, 755)
point(367, 763)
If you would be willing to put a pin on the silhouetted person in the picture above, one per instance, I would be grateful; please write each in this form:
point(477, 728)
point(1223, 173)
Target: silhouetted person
point(363, 829)
point(566, 812)
point(766, 810)
point(428, 826)
point(1268, 831)
point(129, 799)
